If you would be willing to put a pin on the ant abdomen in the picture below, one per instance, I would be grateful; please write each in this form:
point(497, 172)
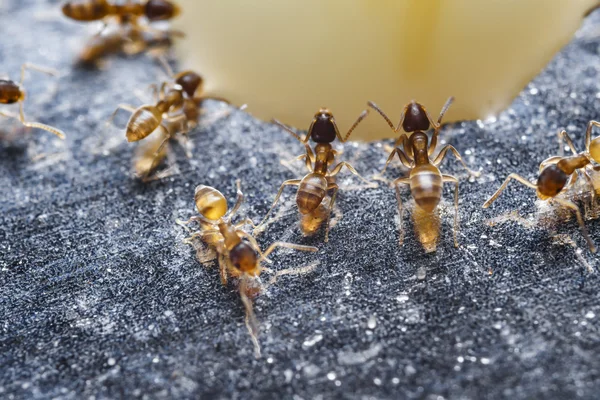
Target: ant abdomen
point(143, 122)
point(210, 202)
point(87, 10)
point(551, 181)
point(426, 186)
point(311, 192)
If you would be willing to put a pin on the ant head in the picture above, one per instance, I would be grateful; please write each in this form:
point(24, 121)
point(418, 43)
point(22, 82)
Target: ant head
point(551, 181)
point(595, 149)
point(244, 258)
point(210, 202)
point(157, 10)
point(323, 128)
point(415, 118)
point(189, 81)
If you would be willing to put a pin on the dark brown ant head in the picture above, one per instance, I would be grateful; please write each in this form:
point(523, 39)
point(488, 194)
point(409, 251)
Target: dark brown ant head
point(244, 258)
point(323, 129)
point(551, 181)
point(415, 118)
point(158, 10)
point(189, 81)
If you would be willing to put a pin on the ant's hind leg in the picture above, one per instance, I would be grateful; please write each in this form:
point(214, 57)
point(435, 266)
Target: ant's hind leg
point(397, 183)
point(126, 107)
point(336, 170)
point(291, 182)
point(516, 177)
point(450, 178)
point(575, 209)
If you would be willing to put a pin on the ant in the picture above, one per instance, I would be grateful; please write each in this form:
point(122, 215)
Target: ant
point(557, 174)
point(100, 10)
point(130, 40)
point(415, 153)
point(239, 255)
point(176, 110)
point(12, 92)
point(313, 188)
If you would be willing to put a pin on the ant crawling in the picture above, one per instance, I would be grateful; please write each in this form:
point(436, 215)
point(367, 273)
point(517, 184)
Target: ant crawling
point(12, 92)
point(557, 174)
point(239, 255)
point(130, 36)
point(415, 153)
point(320, 180)
point(176, 110)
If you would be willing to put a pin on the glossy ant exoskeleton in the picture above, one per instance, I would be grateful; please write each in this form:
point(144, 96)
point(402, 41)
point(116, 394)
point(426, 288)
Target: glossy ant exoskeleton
point(556, 174)
point(239, 255)
point(320, 180)
point(415, 151)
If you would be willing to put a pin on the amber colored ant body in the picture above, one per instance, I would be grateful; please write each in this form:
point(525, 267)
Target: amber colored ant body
point(239, 255)
point(176, 110)
point(558, 173)
point(97, 10)
point(313, 188)
point(415, 151)
point(12, 92)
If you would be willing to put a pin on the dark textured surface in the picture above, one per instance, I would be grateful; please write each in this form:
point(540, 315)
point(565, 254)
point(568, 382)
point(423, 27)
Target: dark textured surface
point(99, 297)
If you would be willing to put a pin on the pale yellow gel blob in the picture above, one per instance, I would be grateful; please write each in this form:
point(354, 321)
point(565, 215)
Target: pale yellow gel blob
point(287, 58)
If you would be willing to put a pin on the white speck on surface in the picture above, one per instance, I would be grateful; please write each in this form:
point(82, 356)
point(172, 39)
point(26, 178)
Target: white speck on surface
point(312, 340)
point(331, 376)
point(402, 298)
point(590, 315)
point(111, 361)
point(372, 323)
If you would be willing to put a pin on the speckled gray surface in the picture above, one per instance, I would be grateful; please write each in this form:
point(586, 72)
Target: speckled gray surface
point(100, 299)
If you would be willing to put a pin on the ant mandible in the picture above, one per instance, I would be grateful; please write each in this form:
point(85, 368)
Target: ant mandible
point(12, 92)
point(425, 179)
point(556, 174)
point(313, 188)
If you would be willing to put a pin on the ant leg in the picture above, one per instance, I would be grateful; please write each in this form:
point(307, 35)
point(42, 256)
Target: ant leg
point(584, 231)
point(335, 188)
point(44, 70)
point(21, 118)
point(126, 107)
point(588, 133)
point(291, 182)
point(403, 159)
point(291, 132)
point(549, 161)
point(246, 221)
point(442, 154)
point(238, 201)
point(397, 183)
point(286, 245)
point(336, 170)
point(516, 177)
point(250, 318)
point(590, 182)
point(156, 156)
point(223, 269)
point(563, 135)
point(362, 116)
point(450, 178)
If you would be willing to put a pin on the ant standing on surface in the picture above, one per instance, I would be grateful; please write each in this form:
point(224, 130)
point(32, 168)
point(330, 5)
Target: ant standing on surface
point(320, 180)
point(239, 255)
point(557, 174)
point(425, 179)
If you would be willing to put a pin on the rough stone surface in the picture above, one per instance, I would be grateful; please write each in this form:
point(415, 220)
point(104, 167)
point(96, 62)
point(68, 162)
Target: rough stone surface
point(100, 299)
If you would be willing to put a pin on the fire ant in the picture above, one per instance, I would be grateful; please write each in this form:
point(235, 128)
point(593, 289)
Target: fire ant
point(415, 151)
point(239, 255)
point(176, 110)
point(556, 174)
point(12, 92)
point(313, 188)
